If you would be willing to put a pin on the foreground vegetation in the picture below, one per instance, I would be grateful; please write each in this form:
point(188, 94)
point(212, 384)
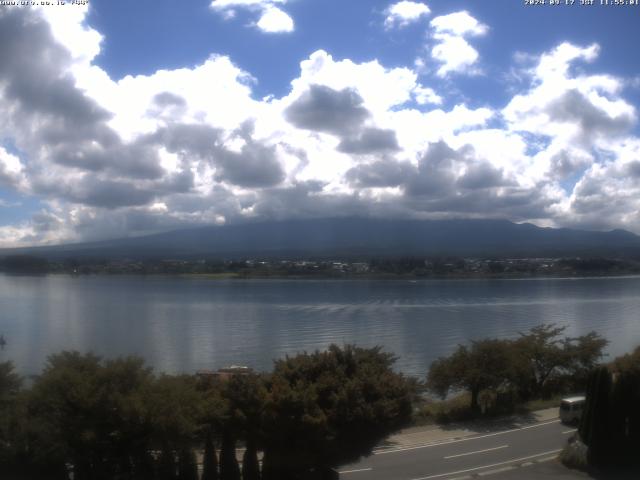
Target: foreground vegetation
point(608, 440)
point(501, 375)
point(116, 419)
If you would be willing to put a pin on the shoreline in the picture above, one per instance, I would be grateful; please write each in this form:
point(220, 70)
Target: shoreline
point(318, 277)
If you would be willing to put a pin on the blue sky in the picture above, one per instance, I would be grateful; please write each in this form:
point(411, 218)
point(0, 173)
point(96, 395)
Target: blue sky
point(156, 115)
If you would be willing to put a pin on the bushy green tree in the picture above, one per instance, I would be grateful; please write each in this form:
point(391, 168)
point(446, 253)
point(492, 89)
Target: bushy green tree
point(105, 418)
point(328, 408)
point(12, 416)
point(485, 364)
point(64, 402)
point(543, 355)
point(246, 396)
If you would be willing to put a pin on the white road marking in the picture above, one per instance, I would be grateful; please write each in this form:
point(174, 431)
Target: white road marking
point(448, 442)
point(569, 431)
point(479, 451)
point(487, 466)
point(355, 471)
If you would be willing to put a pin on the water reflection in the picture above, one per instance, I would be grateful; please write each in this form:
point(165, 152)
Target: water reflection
point(181, 325)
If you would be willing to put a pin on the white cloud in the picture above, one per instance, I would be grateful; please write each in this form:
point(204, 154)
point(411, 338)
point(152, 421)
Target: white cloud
point(426, 96)
point(452, 49)
point(403, 13)
point(192, 146)
point(458, 24)
point(11, 170)
point(455, 54)
point(272, 18)
point(68, 28)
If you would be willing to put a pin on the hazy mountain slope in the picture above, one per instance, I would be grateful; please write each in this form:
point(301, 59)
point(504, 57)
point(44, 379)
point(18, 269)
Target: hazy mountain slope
point(356, 237)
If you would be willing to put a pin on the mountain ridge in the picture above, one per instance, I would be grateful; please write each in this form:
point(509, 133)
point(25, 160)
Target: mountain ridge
point(353, 237)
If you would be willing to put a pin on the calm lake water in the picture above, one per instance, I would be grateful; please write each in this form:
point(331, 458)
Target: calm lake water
point(186, 324)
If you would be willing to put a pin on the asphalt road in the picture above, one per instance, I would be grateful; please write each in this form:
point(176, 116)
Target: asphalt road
point(465, 457)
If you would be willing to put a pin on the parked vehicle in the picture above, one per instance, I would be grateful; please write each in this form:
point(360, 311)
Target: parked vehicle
point(571, 409)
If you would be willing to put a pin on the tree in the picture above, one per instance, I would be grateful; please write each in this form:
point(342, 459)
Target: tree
point(486, 364)
point(105, 418)
point(329, 408)
point(12, 415)
point(229, 468)
point(210, 460)
point(187, 465)
point(174, 410)
point(246, 396)
point(628, 363)
point(583, 355)
point(63, 404)
point(610, 424)
point(542, 353)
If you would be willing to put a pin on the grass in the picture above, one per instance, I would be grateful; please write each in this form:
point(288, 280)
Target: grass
point(442, 412)
point(457, 409)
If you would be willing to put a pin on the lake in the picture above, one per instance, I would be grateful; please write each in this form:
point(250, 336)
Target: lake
point(183, 324)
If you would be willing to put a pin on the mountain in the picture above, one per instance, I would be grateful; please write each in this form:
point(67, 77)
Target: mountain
point(354, 237)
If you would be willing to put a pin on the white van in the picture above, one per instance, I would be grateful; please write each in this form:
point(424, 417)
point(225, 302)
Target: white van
point(571, 409)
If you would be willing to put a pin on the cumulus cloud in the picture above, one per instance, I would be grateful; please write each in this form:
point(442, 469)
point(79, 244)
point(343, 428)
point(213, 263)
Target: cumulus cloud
point(426, 96)
point(11, 170)
point(452, 49)
point(401, 14)
point(272, 19)
point(193, 146)
point(324, 109)
point(370, 140)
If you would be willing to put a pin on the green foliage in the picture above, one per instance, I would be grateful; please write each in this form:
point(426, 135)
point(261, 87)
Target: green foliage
point(331, 407)
point(187, 465)
point(540, 363)
point(229, 468)
point(610, 425)
point(174, 409)
point(105, 417)
point(210, 460)
point(12, 413)
point(167, 468)
point(486, 364)
point(250, 465)
point(628, 363)
point(540, 352)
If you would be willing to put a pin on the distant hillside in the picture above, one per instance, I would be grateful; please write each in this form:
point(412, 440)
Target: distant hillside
point(354, 237)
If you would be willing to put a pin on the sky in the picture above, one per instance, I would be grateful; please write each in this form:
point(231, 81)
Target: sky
point(122, 118)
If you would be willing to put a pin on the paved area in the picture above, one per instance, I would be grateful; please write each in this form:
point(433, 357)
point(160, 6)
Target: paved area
point(504, 447)
point(436, 433)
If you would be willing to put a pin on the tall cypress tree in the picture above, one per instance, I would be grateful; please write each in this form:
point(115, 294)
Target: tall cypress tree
point(250, 465)
point(210, 461)
point(598, 411)
point(229, 468)
point(187, 465)
point(167, 465)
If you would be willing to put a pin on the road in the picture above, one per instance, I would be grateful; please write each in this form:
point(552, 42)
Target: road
point(465, 457)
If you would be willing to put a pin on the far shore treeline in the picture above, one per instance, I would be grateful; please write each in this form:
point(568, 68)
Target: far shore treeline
point(324, 267)
point(118, 419)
